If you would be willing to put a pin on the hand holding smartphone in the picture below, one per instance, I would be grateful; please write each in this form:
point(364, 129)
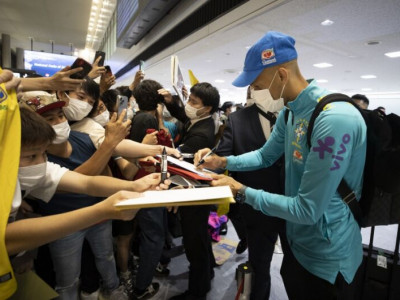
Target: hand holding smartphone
point(80, 62)
point(122, 103)
point(103, 56)
point(108, 71)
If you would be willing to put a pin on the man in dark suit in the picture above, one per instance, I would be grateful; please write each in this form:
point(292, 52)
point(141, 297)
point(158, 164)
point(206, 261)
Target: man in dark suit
point(247, 130)
point(199, 132)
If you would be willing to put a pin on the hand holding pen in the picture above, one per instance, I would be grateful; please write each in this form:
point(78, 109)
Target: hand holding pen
point(205, 158)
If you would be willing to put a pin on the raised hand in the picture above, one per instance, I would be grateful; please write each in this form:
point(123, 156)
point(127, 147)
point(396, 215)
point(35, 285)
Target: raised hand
point(96, 69)
point(117, 129)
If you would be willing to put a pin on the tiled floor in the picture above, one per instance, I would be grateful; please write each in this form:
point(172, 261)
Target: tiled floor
point(224, 284)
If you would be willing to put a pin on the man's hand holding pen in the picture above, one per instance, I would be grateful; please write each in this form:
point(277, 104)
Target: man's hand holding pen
point(205, 158)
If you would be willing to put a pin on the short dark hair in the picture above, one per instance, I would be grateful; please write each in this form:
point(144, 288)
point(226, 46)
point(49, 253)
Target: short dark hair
point(124, 91)
point(109, 98)
point(360, 97)
point(35, 131)
point(147, 96)
point(92, 88)
point(208, 94)
point(226, 105)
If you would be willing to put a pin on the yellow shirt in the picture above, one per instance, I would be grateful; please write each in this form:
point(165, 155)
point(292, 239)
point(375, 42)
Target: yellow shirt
point(10, 146)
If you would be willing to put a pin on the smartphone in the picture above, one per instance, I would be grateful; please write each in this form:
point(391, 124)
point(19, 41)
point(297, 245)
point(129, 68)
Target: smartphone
point(141, 65)
point(122, 103)
point(108, 70)
point(80, 62)
point(103, 56)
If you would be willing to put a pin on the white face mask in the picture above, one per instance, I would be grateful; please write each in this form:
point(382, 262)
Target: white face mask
point(76, 109)
point(191, 112)
point(263, 99)
point(31, 176)
point(62, 132)
point(103, 118)
point(129, 113)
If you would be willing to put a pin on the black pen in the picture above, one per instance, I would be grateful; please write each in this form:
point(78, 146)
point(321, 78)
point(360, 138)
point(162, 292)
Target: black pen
point(207, 155)
point(164, 165)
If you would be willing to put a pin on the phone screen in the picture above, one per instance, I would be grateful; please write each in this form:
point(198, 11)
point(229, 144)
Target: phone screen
point(122, 103)
point(80, 62)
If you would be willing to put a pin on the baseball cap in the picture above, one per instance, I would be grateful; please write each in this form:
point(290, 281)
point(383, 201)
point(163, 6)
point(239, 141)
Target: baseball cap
point(41, 101)
point(272, 49)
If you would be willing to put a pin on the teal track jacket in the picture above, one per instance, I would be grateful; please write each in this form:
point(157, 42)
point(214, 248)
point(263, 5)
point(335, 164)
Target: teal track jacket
point(321, 230)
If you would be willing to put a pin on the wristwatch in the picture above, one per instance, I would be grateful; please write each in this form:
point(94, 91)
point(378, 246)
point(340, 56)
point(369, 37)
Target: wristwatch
point(241, 195)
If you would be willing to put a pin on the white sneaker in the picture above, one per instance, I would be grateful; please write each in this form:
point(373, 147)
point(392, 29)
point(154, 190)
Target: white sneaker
point(117, 294)
point(92, 296)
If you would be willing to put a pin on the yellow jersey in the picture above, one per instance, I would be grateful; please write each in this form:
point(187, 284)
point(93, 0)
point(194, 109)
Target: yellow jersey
point(10, 146)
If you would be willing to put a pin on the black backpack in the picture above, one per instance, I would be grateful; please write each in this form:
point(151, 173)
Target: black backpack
point(380, 198)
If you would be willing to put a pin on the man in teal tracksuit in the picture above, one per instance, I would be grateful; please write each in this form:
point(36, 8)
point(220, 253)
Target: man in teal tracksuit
point(323, 236)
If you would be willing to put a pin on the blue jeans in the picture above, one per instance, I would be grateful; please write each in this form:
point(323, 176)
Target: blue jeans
point(66, 254)
point(152, 223)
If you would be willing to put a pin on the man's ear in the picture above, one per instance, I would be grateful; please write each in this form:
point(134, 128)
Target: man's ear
point(283, 74)
point(61, 96)
point(207, 109)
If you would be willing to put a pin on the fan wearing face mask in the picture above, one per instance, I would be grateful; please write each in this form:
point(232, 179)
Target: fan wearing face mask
point(126, 148)
point(199, 130)
point(75, 151)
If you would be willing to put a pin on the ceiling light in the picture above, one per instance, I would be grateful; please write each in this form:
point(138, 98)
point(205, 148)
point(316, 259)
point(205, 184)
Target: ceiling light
point(366, 89)
point(208, 60)
point(322, 80)
point(323, 65)
point(93, 13)
point(393, 54)
point(94, 7)
point(372, 43)
point(248, 47)
point(327, 22)
point(219, 80)
point(370, 76)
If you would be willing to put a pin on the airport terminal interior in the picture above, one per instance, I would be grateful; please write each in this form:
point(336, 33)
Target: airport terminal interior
point(350, 47)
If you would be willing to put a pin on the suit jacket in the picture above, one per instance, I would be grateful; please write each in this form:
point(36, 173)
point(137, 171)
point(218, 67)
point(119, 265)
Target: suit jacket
point(243, 133)
point(200, 135)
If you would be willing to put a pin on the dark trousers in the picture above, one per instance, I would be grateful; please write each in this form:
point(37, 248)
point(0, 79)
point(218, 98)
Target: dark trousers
point(236, 217)
point(302, 285)
point(262, 232)
point(197, 242)
point(152, 223)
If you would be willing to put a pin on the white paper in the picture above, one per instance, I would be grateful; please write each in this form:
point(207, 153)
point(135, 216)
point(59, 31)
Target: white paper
point(179, 195)
point(187, 166)
point(177, 77)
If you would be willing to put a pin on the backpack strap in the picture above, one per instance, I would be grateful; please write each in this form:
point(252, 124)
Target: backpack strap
point(286, 115)
point(344, 191)
point(268, 115)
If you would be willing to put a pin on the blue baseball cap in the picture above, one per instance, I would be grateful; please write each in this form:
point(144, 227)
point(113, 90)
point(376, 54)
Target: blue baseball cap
point(272, 49)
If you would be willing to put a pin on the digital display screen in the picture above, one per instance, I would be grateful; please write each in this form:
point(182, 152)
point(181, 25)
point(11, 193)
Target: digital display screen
point(46, 64)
